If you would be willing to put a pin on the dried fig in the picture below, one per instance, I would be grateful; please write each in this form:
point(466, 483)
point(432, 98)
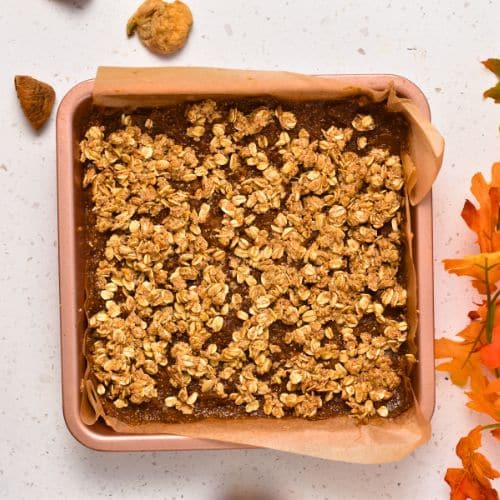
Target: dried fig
point(162, 27)
point(36, 98)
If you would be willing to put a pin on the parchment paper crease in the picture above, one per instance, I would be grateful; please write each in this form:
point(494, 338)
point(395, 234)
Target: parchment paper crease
point(336, 438)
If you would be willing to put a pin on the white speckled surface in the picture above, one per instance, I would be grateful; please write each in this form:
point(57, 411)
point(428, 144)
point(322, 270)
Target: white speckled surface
point(438, 45)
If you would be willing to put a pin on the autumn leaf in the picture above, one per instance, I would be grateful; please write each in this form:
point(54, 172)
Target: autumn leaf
point(481, 314)
point(474, 266)
point(473, 479)
point(465, 361)
point(493, 93)
point(487, 399)
point(489, 404)
point(494, 66)
point(475, 463)
point(463, 365)
point(463, 487)
point(484, 220)
point(493, 386)
point(490, 353)
point(474, 358)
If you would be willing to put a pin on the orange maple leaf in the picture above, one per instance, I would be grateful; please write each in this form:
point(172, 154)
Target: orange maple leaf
point(487, 399)
point(463, 366)
point(494, 66)
point(490, 353)
point(465, 361)
point(473, 479)
point(484, 220)
point(482, 312)
point(474, 266)
point(464, 487)
point(493, 386)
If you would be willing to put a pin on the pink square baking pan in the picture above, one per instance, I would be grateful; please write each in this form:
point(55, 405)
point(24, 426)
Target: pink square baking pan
point(71, 269)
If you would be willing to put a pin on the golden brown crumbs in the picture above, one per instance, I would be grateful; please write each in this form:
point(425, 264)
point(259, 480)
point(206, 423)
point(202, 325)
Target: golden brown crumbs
point(172, 281)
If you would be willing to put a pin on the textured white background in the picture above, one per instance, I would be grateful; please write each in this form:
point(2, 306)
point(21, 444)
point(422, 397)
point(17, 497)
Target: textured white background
point(438, 45)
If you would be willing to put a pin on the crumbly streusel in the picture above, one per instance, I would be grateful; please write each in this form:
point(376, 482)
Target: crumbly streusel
point(244, 267)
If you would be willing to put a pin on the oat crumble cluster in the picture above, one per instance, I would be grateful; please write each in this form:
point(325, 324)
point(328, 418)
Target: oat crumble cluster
point(265, 273)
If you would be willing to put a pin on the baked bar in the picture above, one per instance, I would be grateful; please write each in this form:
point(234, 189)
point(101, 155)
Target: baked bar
point(245, 258)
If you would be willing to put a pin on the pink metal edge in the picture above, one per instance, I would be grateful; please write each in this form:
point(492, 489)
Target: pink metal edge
point(102, 439)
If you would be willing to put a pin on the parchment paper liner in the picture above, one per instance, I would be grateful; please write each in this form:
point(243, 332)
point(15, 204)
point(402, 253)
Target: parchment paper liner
point(336, 438)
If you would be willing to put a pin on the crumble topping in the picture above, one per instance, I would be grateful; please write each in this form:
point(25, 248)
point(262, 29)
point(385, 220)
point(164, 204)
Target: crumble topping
point(206, 253)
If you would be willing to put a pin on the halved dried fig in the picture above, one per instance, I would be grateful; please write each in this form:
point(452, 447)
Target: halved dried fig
point(162, 27)
point(36, 98)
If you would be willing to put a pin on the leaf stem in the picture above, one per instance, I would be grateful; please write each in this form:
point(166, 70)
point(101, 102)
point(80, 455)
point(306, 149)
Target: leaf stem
point(490, 426)
point(473, 348)
point(490, 304)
